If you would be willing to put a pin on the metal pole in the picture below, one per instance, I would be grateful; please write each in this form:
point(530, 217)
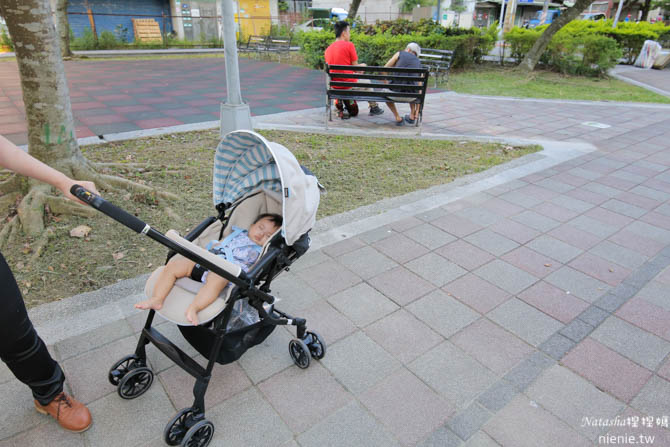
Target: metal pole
point(234, 113)
point(618, 13)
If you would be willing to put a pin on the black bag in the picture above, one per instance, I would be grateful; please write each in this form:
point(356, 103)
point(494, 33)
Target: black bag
point(351, 106)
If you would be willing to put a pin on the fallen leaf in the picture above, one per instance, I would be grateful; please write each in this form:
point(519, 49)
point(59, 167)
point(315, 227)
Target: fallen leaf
point(547, 265)
point(51, 269)
point(149, 265)
point(118, 256)
point(26, 248)
point(611, 270)
point(20, 265)
point(80, 231)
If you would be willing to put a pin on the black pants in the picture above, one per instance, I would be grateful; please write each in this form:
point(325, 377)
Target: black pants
point(21, 348)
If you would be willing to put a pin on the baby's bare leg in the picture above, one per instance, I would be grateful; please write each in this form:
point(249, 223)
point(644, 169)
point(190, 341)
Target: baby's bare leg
point(177, 267)
point(214, 284)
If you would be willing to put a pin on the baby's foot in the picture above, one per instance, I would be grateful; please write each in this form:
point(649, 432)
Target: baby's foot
point(192, 315)
point(151, 303)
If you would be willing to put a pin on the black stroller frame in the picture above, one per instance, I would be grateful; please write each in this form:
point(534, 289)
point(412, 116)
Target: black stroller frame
point(132, 375)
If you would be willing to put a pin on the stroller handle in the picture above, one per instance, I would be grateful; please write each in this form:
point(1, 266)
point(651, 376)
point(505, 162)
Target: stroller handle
point(107, 208)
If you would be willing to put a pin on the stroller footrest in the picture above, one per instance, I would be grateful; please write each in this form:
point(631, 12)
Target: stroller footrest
point(174, 353)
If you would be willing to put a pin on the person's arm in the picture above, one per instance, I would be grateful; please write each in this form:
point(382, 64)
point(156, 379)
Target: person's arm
point(14, 159)
point(393, 60)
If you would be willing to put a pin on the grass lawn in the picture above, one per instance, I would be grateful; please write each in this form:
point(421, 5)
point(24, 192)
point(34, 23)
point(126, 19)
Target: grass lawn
point(496, 81)
point(355, 170)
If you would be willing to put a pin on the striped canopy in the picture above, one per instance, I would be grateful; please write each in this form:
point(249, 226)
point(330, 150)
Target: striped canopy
point(245, 162)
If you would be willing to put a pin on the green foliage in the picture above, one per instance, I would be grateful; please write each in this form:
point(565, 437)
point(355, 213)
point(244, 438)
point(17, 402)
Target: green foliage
point(5, 40)
point(107, 41)
point(375, 45)
point(586, 54)
point(521, 40)
point(282, 30)
point(283, 6)
point(86, 41)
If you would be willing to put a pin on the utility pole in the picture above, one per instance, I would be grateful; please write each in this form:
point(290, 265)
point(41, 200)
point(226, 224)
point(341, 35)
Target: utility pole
point(235, 114)
point(618, 13)
point(545, 8)
point(509, 15)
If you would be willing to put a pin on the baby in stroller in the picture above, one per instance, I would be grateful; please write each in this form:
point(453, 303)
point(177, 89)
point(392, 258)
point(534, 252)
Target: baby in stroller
point(241, 247)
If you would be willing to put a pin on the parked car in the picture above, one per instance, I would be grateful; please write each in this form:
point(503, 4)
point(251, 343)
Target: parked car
point(593, 16)
point(311, 25)
point(551, 15)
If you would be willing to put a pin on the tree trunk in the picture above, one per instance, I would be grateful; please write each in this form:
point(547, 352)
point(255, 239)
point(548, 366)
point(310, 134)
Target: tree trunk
point(545, 8)
point(645, 10)
point(353, 9)
point(63, 27)
point(533, 56)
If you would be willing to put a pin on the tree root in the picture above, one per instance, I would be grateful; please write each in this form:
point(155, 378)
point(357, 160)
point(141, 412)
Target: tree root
point(31, 211)
point(12, 184)
point(8, 230)
point(8, 200)
point(61, 205)
point(131, 186)
point(145, 167)
point(39, 246)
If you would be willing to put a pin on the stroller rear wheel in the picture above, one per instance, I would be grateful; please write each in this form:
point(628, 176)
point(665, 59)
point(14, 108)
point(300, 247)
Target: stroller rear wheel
point(176, 429)
point(299, 353)
point(123, 367)
point(199, 435)
point(135, 383)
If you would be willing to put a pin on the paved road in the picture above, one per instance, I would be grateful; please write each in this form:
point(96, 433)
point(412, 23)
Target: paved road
point(526, 306)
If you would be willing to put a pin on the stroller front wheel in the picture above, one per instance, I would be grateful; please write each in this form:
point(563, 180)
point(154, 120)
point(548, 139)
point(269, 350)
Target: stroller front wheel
point(199, 435)
point(122, 367)
point(176, 429)
point(317, 347)
point(299, 353)
point(135, 383)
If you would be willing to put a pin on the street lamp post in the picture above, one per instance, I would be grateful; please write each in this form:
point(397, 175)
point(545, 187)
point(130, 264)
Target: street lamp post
point(235, 114)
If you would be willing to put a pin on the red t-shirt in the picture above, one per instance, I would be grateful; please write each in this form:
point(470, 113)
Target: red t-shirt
point(341, 52)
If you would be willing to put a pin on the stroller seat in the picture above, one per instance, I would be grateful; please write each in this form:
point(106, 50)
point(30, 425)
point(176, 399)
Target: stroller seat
point(185, 289)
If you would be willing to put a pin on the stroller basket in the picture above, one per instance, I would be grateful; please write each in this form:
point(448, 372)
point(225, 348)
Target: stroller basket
point(251, 176)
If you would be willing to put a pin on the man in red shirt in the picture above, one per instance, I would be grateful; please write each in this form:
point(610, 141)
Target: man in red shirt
point(343, 52)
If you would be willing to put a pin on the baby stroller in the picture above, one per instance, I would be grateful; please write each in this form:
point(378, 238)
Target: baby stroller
point(251, 176)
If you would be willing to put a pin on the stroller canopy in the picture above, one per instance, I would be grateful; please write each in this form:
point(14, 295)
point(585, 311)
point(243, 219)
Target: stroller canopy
point(246, 163)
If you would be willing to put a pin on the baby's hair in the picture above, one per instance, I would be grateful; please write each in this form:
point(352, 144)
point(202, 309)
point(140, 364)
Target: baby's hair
point(274, 218)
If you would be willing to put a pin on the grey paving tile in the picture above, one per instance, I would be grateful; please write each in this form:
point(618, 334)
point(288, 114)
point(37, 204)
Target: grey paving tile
point(376, 235)
point(498, 395)
point(407, 407)
point(601, 189)
point(521, 199)
point(554, 248)
point(515, 231)
point(656, 293)
point(328, 322)
point(351, 425)
point(362, 304)
point(570, 397)
point(536, 221)
point(577, 283)
point(630, 341)
point(398, 334)
point(492, 242)
point(342, 247)
point(555, 185)
point(304, 389)
point(479, 215)
point(452, 373)
point(429, 236)
point(475, 292)
point(358, 363)
point(458, 226)
point(593, 226)
point(267, 358)
point(556, 346)
point(576, 330)
point(571, 203)
point(506, 276)
point(624, 208)
point(481, 439)
point(467, 422)
point(108, 333)
point(442, 437)
point(328, 278)
point(405, 224)
point(466, 255)
point(293, 293)
point(16, 397)
point(400, 248)
point(442, 313)
point(120, 417)
point(523, 423)
point(650, 231)
point(653, 398)
point(435, 269)
point(48, 433)
point(593, 316)
point(527, 371)
point(431, 215)
point(618, 254)
point(236, 422)
point(401, 285)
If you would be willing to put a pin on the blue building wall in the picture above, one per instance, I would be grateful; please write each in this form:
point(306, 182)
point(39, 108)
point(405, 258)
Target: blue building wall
point(130, 8)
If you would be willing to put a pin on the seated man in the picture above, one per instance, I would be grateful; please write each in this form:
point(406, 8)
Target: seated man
point(343, 52)
point(409, 58)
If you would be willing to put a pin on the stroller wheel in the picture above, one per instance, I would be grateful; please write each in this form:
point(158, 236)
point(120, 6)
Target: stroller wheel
point(176, 429)
point(317, 347)
point(199, 435)
point(135, 383)
point(122, 367)
point(299, 353)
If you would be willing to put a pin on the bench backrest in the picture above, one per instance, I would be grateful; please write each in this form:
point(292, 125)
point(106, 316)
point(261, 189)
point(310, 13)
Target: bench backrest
point(257, 42)
point(436, 59)
point(278, 43)
point(412, 81)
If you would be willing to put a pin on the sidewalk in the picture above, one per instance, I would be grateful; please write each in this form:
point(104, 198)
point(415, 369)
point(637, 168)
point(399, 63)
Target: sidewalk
point(657, 81)
point(500, 310)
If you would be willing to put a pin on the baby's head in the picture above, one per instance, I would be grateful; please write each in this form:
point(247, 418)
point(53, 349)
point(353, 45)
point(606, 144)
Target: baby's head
point(263, 227)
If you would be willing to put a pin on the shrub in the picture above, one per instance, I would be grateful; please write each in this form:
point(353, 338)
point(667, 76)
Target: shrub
point(586, 54)
point(107, 41)
point(5, 40)
point(521, 40)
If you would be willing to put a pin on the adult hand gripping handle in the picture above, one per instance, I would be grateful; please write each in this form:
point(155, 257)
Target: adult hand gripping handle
point(107, 208)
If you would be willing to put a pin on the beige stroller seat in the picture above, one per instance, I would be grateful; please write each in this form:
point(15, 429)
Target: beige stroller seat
point(185, 289)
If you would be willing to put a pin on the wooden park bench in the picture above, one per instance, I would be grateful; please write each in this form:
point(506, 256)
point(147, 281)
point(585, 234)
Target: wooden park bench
point(254, 44)
point(438, 62)
point(374, 83)
point(278, 45)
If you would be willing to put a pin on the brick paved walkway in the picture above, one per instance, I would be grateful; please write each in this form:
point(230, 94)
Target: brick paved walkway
point(517, 305)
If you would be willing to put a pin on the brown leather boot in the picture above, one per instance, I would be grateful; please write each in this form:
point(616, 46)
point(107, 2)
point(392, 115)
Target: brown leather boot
point(71, 414)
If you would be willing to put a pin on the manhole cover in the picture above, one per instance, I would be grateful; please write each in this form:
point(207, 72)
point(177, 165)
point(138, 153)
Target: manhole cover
point(594, 124)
